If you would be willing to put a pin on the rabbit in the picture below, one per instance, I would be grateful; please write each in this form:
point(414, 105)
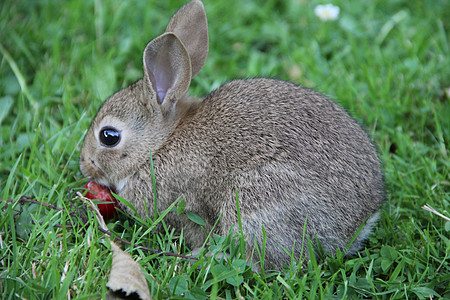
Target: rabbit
point(298, 160)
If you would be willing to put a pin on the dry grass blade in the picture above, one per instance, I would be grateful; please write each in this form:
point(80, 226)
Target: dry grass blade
point(430, 209)
point(94, 208)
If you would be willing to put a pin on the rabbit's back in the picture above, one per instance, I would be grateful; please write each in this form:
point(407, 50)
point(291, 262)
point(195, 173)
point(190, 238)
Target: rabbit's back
point(255, 121)
point(292, 154)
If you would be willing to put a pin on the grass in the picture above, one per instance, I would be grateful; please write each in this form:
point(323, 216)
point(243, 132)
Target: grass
point(386, 62)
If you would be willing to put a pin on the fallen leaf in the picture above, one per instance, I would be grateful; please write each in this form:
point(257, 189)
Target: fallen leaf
point(126, 276)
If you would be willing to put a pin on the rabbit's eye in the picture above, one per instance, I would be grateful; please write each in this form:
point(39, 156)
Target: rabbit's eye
point(109, 136)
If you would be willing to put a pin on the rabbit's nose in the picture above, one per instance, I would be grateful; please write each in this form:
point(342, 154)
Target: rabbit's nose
point(89, 168)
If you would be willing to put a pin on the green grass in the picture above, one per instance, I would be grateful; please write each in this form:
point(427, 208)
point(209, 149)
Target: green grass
point(386, 62)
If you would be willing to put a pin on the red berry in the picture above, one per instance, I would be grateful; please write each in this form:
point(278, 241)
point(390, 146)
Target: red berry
point(100, 192)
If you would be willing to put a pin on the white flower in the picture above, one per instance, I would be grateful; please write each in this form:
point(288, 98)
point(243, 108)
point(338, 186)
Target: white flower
point(327, 12)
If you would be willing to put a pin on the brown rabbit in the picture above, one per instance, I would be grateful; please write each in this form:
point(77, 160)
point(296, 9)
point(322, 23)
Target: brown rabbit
point(293, 155)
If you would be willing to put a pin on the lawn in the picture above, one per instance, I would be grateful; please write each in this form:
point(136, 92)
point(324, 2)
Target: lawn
point(386, 62)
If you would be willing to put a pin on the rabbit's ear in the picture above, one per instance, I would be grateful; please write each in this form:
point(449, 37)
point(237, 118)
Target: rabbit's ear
point(167, 70)
point(190, 25)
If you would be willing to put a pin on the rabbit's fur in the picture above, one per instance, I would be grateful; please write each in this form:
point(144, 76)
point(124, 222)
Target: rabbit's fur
point(293, 155)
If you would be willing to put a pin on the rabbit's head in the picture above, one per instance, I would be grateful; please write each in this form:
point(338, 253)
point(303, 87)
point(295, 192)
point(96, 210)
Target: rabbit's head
point(142, 116)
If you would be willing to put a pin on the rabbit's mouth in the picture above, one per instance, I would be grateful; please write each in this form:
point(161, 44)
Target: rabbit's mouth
point(91, 170)
point(105, 182)
point(114, 187)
